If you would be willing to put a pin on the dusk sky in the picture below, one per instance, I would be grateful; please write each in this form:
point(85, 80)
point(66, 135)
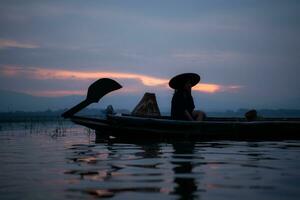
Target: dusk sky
point(246, 52)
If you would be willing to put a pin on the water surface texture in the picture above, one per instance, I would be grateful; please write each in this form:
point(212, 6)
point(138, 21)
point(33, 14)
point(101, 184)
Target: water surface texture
point(58, 160)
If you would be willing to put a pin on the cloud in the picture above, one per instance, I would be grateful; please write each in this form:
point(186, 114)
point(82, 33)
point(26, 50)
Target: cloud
point(4, 43)
point(45, 74)
point(58, 74)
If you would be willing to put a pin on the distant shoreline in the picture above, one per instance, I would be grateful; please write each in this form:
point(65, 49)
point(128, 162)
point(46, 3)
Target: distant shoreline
point(49, 115)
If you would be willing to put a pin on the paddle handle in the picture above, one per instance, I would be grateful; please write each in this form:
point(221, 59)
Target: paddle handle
point(69, 113)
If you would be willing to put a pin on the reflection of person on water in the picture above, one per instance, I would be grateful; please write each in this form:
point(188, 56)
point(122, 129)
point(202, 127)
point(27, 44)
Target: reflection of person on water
point(182, 102)
point(186, 184)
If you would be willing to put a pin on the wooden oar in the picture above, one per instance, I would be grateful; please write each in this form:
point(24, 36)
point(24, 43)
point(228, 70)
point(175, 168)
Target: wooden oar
point(95, 92)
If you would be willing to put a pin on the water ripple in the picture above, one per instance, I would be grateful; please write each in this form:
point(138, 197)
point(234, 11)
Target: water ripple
point(74, 166)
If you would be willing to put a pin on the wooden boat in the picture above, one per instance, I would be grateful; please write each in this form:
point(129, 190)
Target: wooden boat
point(144, 128)
point(163, 128)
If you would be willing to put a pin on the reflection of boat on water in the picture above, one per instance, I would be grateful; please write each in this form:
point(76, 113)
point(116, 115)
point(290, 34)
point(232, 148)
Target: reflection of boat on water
point(146, 167)
point(127, 126)
point(160, 127)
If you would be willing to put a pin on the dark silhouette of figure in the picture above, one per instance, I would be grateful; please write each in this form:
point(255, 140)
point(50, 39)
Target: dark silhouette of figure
point(251, 115)
point(182, 107)
point(147, 106)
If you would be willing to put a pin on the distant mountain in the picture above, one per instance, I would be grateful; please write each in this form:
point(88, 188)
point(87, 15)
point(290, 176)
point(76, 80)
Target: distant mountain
point(16, 101)
point(18, 105)
point(49, 115)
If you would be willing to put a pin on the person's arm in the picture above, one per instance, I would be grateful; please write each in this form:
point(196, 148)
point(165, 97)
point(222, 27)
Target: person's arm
point(188, 115)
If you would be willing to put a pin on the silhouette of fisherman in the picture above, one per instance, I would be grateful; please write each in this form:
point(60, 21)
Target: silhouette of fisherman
point(182, 102)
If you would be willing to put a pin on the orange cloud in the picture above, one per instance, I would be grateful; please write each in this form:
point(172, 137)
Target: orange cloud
point(205, 87)
point(10, 71)
point(15, 44)
point(40, 73)
point(44, 74)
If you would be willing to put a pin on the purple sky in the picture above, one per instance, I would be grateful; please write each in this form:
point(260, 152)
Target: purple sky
point(246, 52)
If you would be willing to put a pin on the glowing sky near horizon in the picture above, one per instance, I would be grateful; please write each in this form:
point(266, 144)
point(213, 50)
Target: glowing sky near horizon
point(46, 74)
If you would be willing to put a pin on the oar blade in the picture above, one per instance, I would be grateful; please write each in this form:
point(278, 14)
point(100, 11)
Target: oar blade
point(95, 92)
point(100, 88)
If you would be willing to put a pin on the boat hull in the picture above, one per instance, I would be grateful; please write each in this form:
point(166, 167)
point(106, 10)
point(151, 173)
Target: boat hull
point(137, 128)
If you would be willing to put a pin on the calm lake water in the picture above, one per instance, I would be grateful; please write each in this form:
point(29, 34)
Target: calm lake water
point(59, 160)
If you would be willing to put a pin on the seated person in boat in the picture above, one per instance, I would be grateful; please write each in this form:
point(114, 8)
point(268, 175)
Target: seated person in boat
point(182, 107)
point(251, 115)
